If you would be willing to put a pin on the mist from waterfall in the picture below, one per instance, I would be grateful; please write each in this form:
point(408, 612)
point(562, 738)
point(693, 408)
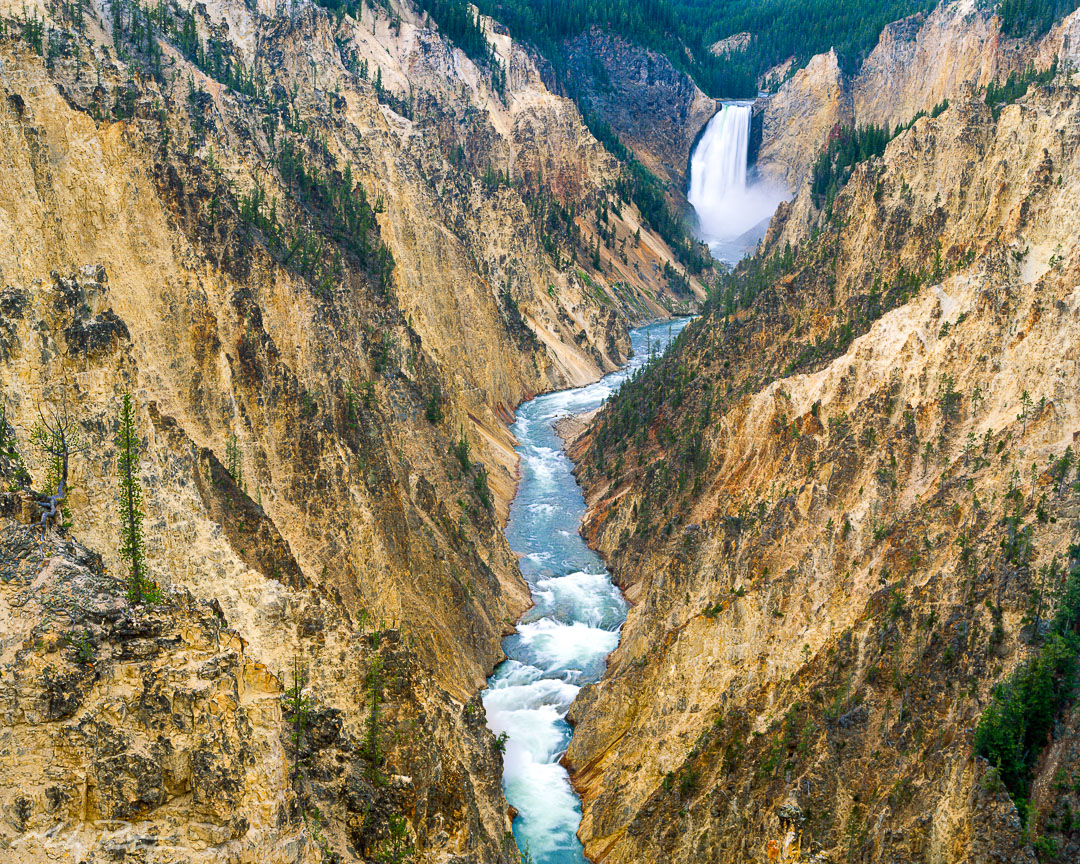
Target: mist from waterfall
point(732, 208)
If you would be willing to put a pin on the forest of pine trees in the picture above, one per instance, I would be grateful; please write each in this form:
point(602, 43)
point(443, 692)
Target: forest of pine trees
point(684, 29)
point(1020, 18)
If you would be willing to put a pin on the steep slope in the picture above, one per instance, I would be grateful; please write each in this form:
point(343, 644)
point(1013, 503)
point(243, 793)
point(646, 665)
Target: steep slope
point(154, 730)
point(656, 110)
point(844, 513)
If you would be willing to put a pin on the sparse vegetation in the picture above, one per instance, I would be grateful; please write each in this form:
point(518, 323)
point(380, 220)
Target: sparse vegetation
point(56, 439)
point(1015, 727)
point(234, 460)
point(140, 587)
point(433, 409)
point(1016, 85)
point(79, 640)
point(397, 848)
point(298, 707)
point(17, 475)
point(373, 724)
point(847, 147)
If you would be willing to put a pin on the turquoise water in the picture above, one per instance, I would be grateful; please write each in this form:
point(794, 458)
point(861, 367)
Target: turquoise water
point(564, 640)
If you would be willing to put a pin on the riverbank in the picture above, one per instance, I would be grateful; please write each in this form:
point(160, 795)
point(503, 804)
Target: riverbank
point(571, 427)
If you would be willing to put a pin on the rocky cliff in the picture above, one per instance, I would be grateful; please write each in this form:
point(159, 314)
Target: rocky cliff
point(655, 109)
point(797, 119)
point(919, 62)
point(154, 730)
point(843, 508)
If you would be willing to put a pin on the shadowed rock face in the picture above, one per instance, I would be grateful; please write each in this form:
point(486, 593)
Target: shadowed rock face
point(656, 110)
point(817, 520)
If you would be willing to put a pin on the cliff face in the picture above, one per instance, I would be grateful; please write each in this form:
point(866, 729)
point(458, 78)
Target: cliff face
point(955, 45)
point(210, 226)
point(797, 120)
point(817, 519)
point(655, 109)
point(154, 729)
point(918, 63)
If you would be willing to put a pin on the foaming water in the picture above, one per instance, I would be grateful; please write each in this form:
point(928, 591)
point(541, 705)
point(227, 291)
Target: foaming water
point(733, 209)
point(563, 642)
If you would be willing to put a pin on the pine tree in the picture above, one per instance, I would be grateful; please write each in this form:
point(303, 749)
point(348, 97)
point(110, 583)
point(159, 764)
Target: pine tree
point(140, 587)
point(234, 461)
point(372, 744)
point(299, 706)
point(396, 849)
point(1025, 408)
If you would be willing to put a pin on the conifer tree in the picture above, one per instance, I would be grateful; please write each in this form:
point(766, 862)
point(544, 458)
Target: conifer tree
point(140, 587)
point(372, 744)
point(234, 461)
point(1025, 409)
point(299, 706)
point(57, 439)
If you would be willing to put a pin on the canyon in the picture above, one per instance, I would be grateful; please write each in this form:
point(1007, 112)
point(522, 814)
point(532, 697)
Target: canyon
point(333, 253)
point(185, 242)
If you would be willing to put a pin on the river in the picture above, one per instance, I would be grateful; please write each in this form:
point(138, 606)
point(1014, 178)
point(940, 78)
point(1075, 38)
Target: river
point(564, 640)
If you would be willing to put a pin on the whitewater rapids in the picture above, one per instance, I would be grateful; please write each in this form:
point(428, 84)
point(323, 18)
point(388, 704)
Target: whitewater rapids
point(563, 642)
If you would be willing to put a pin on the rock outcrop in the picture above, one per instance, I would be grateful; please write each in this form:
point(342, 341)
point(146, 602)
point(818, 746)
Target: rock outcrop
point(918, 63)
point(151, 729)
point(733, 44)
point(797, 120)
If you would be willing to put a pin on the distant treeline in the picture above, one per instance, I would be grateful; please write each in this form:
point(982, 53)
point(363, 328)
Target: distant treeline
point(1021, 18)
point(683, 30)
point(457, 22)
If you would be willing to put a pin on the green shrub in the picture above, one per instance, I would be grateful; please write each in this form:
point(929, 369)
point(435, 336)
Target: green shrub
point(1015, 726)
point(433, 411)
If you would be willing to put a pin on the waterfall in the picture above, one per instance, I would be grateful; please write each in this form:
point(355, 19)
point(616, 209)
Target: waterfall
point(732, 210)
point(719, 164)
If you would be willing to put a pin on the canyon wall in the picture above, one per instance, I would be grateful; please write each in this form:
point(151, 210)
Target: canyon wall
point(656, 110)
point(843, 508)
point(918, 63)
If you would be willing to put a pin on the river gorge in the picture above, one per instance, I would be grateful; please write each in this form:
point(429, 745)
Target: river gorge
point(563, 642)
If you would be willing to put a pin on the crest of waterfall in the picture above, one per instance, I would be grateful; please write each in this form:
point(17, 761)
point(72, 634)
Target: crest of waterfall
point(732, 209)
